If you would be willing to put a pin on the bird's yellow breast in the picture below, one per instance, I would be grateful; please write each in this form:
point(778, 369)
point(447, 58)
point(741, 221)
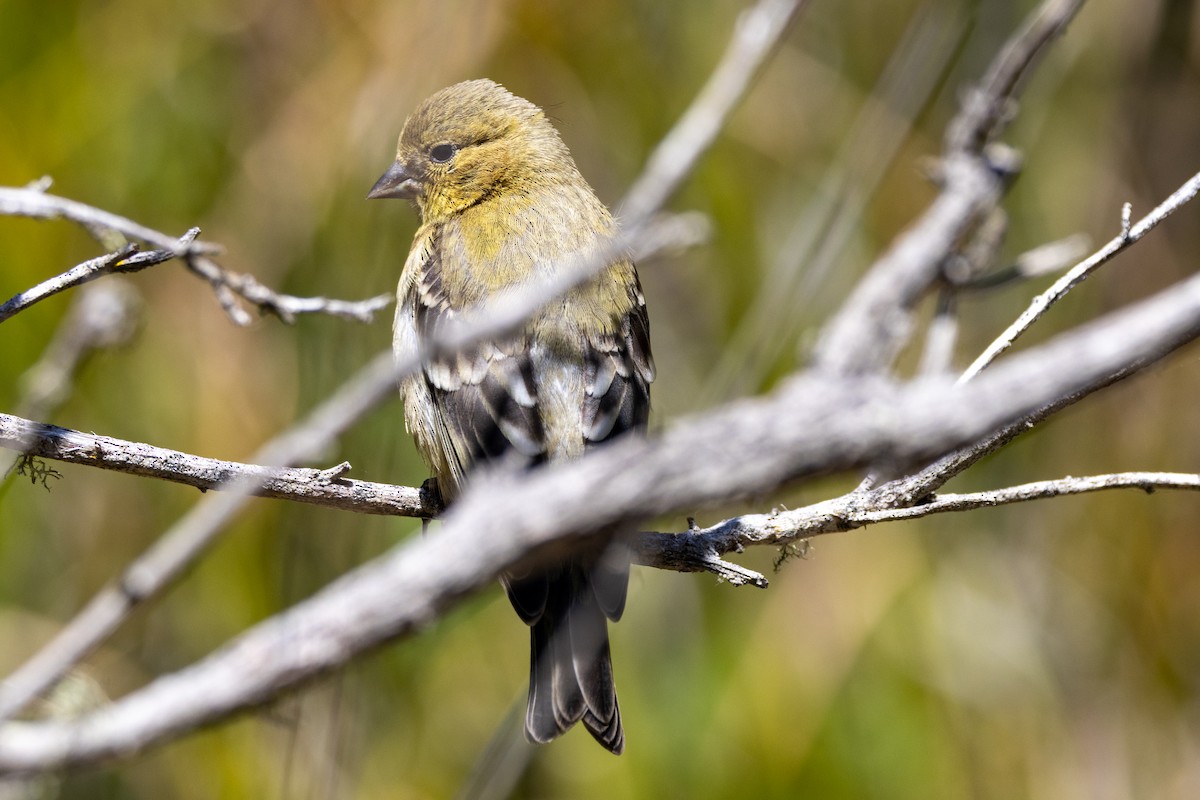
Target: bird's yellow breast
point(508, 240)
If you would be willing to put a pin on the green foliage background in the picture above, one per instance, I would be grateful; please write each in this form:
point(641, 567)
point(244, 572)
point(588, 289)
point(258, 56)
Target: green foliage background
point(1044, 651)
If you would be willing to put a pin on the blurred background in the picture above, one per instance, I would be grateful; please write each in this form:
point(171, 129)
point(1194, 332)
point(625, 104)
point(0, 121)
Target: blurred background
point(1050, 650)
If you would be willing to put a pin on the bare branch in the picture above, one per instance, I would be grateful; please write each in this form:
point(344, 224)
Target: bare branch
point(874, 323)
point(1148, 482)
point(757, 33)
point(988, 108)
point(832, 214)
point(696, 550)
point(692, 550)
point(228, 286)
point(1081, 271)
point(126, 259)
point(327, 488)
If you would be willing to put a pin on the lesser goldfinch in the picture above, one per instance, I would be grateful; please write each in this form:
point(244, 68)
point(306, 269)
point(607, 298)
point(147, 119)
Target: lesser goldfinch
point(502, 202)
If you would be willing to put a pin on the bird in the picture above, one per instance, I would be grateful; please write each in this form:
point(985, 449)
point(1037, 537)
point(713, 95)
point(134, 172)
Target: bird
point(502, 203)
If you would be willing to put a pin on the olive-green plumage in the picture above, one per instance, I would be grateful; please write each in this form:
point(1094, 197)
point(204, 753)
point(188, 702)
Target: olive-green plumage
point(501, 201)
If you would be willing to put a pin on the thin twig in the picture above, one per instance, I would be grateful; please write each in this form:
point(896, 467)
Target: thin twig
point(849, 512)
point(229, 286)
point(126, 259)
point(33, 201)
point(1148, 482)
point(329, 488)
point(1081, 271)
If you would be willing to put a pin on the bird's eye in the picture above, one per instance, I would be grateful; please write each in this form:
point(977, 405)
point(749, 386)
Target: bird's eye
point(441, 153)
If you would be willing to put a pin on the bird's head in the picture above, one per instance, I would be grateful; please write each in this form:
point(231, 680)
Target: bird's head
point(469, 142)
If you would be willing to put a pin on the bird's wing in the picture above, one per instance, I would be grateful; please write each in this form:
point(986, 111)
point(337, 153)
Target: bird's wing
point(618, 371)
point(484, 397)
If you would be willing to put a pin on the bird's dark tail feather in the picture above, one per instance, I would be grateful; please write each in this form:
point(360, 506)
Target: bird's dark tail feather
point(570, 669)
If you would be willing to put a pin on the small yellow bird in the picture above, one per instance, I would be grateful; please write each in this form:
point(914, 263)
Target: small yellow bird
point(502, 202)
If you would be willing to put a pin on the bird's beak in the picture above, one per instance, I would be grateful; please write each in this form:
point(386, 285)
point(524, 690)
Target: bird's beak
point(396, 182)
